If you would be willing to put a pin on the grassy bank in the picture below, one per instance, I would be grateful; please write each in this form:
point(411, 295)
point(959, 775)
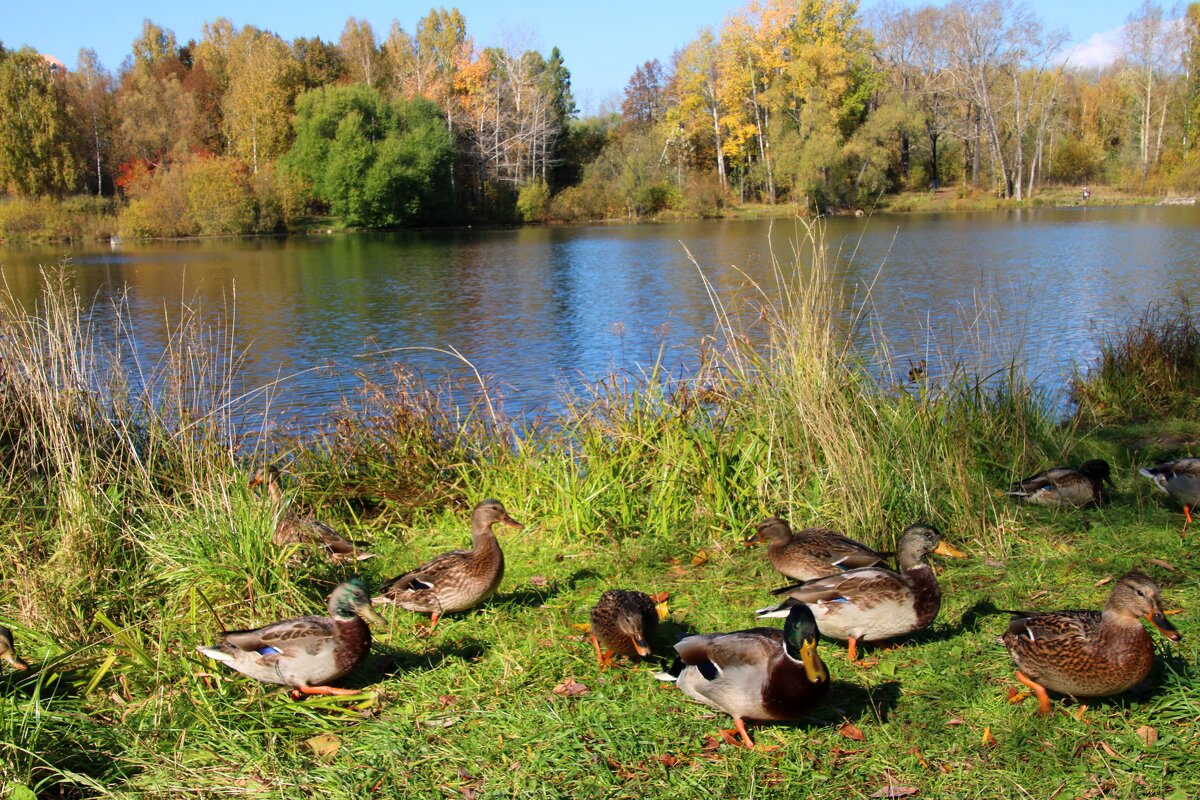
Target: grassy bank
point(129, 536)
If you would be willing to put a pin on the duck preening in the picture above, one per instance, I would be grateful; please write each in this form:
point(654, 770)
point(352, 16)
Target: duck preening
point(1065, 487)
point(293, 528)
point(812, 552)
point(457, 580)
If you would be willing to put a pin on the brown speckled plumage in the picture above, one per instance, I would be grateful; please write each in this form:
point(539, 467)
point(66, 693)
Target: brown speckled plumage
point(812, 552)
point(293, 528)
point(306, 653)
point(1090, 653)
point(457, 580)
point(873, 603)
point(1065, 487)
point(8, 650)
point(624, 623)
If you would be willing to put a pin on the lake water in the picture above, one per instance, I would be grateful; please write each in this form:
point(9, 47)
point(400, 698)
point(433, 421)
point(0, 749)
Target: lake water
point(538, 309)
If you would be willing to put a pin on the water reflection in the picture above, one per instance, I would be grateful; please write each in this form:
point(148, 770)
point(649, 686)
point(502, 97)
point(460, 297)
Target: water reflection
point(534, 308)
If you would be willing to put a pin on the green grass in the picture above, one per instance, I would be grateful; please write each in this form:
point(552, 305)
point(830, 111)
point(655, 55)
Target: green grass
point(129, 537)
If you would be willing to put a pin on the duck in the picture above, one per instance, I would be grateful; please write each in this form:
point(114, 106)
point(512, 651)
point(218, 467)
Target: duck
point(1089, 653)
point(624, 622)
point(873, 603)
point(764, 674)
point(1065, 487)
point(1180, 479)
point(812, 552)
point(305, 653)
point(293, 528)
point(457, 580)
point(8, 650)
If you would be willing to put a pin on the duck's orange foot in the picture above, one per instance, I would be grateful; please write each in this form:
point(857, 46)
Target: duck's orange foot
point(1039, 692)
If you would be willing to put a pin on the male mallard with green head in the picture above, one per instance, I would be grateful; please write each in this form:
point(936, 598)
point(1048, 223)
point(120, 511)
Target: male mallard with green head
point(8, 650)
point(459, 579)
point(294, 528)
point(624, 622)
point(758, 674)
point(1089, 653)
point(306, 653)
point(873, 603)
point(812, 552)
point(1065, 487)
point(1179, 479)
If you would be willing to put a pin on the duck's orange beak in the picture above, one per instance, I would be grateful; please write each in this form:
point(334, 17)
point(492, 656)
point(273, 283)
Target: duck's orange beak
point(944, 548)
point(1163, 625)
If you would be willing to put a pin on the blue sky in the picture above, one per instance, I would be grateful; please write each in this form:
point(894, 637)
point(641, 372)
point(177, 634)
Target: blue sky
point(602, 42)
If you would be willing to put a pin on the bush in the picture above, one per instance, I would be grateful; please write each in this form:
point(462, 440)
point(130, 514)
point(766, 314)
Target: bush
point(653, 198)
point(220, 199)
point(47, 219)
point(533, 201)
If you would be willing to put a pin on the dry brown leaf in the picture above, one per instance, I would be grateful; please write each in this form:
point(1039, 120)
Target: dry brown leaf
point(700, 558)
point(668, 760)
point(538, 580)
point(446, 700)
point(571, 688)
point(893, 790)
point(992, 562)
point(956, 721)
point(988, 739)
point(851, 731)
point(680, 571)
point(325, 745)
point(1039, 593)
point(1104, 580)
point(1108, 749)
point(1158, 562)
point(1148, 735)
point(661, 597)
point(916, 751)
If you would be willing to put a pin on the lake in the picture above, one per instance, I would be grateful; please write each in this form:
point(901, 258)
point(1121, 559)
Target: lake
point(540, 309)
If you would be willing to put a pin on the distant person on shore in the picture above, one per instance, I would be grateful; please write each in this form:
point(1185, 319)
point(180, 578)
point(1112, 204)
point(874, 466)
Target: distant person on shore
point(1086, 194)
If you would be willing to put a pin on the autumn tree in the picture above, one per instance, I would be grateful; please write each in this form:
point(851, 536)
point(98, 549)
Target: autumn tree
point(321, 63)
point(263, 82)
point(91, 92)
point(37, 136)
point(156, 114)
point(644, 102)
point(1149, 45)
point(360, 51)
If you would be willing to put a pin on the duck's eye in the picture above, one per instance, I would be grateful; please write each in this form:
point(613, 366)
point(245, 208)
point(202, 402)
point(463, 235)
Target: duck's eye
point(1141, 593)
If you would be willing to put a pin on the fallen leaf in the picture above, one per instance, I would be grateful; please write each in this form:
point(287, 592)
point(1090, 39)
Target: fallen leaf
point(581, 626)
point(711, 742)
point(916, 751)
point(730, 737)
point(1108, 749)
point(662, 610)
point(1104, 580)
point(446, 700)
point(680, 571)
point(1039, 593)
point(988, 740)
point(992, 562)
point(571, 688)
point(956, 721)
point(325, 745)
point(661, 597)
point(440, 722)
point(668, 760)
point(538, 580)
point(851, 731)
point(1148, 735)
point(896, 791)
point(700, 558)
point(1158, 562)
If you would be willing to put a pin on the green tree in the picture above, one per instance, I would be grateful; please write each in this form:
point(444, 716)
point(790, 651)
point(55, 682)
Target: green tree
point(371, 162)
point(37, 138)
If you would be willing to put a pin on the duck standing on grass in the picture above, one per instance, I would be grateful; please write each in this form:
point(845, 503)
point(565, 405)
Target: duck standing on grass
point(625, 623)
point(1065, 487)
point(293, 528)
point(8, 651)
point(758, 674)
point(1089, 653)
point(306, 653)
point(873, 603)
point(1180, 479)
point(812, 552)
point(459, 579)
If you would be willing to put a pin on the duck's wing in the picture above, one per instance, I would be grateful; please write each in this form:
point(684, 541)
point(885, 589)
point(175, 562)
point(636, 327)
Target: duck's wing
point(713, 654)
point(838, 550)
point(429, 574)
point(282, 639)
point(850, 585)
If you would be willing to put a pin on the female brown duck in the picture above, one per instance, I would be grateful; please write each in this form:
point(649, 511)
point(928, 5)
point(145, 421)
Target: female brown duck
point(293, 528)
point(625, 623)
point(1089, 653)
point(812, 552)
point(459, 579)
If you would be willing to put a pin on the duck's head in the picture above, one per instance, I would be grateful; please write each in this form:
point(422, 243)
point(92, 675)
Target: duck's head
point(630, 625)
point(800, 638)
point(351, 599)
point(1137, 595)
point(1099, 469)
point(918, 541)
point(8, 652)
point(772, 528)
point(267, 474)
point(488, 513)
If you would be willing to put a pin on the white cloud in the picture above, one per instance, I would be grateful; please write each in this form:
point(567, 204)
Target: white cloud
point(1100, 50)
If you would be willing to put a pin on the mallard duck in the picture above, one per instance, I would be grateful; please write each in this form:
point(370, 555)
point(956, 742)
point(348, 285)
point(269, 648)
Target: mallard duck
point(625, 623)
point(1065, 487)
point(756, 674)
point(293, 528)
point(8, 651)
point(873, 603)
point(812, 552)
point(457, 580)
point(1089, 653)
point(1180, 479)
point(306, 653)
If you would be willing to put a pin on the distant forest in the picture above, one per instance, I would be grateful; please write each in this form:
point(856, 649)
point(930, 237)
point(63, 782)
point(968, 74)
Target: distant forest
point(804, 102)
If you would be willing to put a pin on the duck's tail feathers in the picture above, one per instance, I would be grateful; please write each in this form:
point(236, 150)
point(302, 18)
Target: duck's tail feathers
point(780, 610)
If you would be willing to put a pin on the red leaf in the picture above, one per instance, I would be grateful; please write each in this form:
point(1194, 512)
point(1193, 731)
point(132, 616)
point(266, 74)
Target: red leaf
point(896, 791)
point(571, 688)
point(851, 731)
